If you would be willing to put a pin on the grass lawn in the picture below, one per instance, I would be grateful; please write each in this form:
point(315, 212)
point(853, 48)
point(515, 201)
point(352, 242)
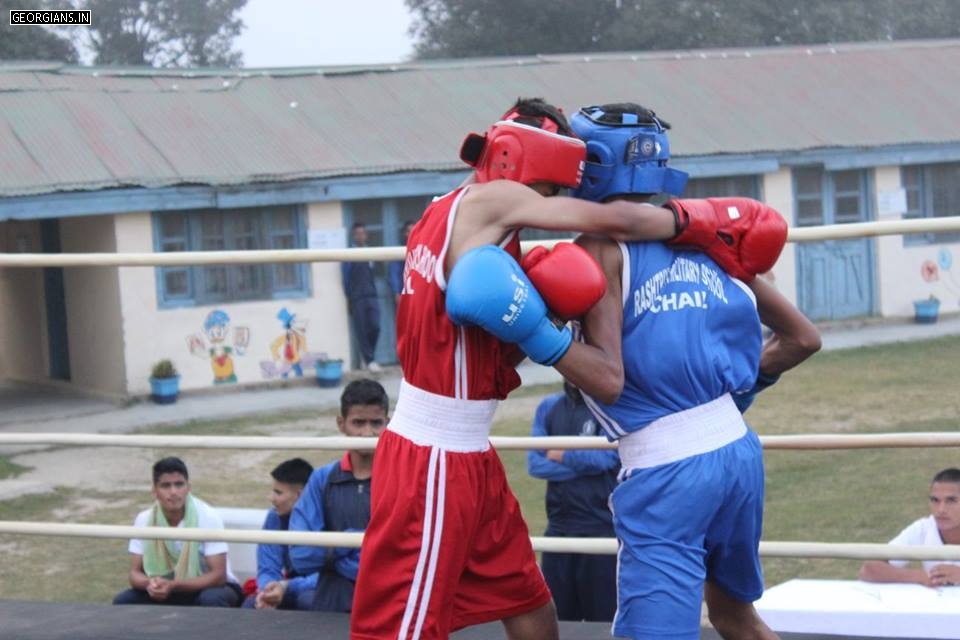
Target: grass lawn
point(864, 495)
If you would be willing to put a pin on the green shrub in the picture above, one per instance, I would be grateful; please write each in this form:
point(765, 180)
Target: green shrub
point(164, 369)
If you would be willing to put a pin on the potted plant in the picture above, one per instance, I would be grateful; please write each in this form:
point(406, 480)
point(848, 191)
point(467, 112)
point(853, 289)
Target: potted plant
point(329, 371)
point(164, 382)
point(926, 310)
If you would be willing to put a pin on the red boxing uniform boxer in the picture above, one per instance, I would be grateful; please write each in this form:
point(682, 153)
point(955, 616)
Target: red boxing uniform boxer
point(447, 546)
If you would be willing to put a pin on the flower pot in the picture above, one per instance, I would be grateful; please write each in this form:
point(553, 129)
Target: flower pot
point(926, 311)
point(329, 372)
point(165, 390)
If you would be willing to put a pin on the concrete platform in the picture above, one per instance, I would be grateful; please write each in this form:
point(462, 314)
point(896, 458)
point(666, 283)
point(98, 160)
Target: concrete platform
point(70, 621)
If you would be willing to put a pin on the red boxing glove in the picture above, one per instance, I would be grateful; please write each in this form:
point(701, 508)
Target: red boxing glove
point(744, 236)
point(569, 279)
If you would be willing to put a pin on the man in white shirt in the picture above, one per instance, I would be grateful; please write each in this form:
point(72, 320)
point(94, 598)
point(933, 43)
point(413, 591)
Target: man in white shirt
point(178, 572)
point(941, 527)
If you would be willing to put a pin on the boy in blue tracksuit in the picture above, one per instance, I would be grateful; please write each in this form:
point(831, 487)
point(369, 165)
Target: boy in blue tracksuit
point(279, 585)
point(579, 483)
point(337, 498)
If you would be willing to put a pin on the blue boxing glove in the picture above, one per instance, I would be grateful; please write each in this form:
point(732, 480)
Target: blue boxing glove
point(488, 288)
point(745, 399)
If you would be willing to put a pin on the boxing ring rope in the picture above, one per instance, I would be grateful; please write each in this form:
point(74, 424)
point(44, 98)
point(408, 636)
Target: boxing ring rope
point(593, 546)
point(362, 254)
point(778, 549)
point(343, 539)
point(502, 443)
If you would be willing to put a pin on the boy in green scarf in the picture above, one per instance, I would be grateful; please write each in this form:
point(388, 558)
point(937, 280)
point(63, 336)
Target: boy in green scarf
point(173, 571)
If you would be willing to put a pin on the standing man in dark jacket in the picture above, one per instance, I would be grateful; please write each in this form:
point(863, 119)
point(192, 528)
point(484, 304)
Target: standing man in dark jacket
point(579, 483)
point(395, 268)
point(362, 301)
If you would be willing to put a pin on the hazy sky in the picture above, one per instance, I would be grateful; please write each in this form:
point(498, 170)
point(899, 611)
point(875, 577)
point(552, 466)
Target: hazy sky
point(294, 33)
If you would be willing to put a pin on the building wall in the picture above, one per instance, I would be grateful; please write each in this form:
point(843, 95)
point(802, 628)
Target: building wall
point(900, 269)
point(147, 335)
point(150, 333)
point(93, 307)
point(117, 330)
point(778, 193)
point(330, 322)
point(891, 256)
point(23, 318)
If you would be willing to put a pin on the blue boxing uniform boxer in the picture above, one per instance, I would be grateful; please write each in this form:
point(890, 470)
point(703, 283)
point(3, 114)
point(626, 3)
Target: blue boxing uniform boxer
point(675, 337)
point(690, 501)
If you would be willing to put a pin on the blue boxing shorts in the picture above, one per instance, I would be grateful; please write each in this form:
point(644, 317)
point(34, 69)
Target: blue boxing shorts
point(680, 523)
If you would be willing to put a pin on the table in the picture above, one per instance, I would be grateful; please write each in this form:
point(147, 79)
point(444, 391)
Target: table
point(852, 607)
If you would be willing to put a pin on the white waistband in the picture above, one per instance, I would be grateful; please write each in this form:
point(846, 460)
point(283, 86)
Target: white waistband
point(433, 420)
point(681, 435)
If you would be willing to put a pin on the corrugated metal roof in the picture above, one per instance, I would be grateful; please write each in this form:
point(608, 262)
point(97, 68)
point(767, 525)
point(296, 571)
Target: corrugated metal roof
point(67, 128)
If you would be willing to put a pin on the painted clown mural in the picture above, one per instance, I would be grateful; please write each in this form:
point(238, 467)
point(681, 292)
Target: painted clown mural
point(218, 343)
point(939, 271)
point(289, 349)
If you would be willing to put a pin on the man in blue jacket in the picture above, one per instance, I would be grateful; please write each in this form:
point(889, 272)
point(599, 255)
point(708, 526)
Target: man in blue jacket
point(363, 304)
point(579, 482)
point(279, 585)
point(395, 268)
point(337, 498)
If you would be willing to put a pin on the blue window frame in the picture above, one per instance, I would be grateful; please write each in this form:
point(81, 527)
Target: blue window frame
point(255, 228)
point(830, 197)
point(933, 191)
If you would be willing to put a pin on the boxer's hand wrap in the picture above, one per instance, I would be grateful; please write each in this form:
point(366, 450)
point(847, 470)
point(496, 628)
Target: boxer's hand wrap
point(744, 236)
point(487, 288)
point(569, 278)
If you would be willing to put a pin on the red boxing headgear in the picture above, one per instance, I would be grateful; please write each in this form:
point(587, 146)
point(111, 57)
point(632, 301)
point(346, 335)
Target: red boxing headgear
point(523, 153)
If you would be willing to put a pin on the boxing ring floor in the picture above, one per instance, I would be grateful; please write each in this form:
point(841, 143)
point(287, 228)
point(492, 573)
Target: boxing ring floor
point(21, 620)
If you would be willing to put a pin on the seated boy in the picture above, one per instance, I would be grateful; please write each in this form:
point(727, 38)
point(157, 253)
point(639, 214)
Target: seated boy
point(279, 586)
point(941, 527)
point(337, 498)
point(173, 571)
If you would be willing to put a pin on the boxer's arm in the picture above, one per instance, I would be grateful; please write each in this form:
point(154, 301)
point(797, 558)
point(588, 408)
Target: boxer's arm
point(489, 211)
point(596, 366)
point(795, 338)
point(487, 288)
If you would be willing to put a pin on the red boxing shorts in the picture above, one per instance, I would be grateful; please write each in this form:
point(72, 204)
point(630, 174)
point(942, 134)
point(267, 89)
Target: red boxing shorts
point(446, 546)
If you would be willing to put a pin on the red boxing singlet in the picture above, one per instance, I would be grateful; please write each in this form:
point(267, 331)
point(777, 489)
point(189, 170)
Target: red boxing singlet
point(435, 354)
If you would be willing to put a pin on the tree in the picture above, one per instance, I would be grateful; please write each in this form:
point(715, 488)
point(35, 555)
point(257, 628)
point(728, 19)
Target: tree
point(463, 28)
point(471, 28)
point(31, 42)
point(164, 33)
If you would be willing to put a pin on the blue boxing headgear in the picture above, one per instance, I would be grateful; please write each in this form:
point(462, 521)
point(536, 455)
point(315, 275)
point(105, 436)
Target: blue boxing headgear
point(627, 153)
